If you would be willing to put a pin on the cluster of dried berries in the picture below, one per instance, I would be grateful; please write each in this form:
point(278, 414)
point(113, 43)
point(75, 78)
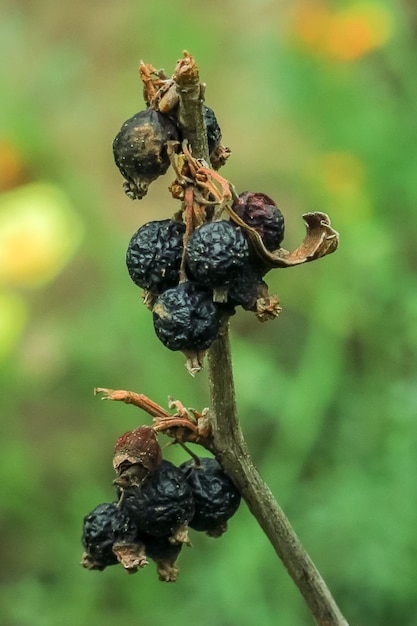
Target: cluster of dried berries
point(220, 271)
point(194, 271)
point(156, 504)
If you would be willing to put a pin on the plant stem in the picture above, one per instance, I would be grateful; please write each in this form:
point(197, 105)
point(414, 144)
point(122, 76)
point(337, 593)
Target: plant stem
point(229, 445)
point(232, 453)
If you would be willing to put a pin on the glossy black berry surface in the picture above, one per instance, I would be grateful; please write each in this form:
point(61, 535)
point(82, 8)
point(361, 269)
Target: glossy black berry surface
point(103, 527)
point(140, 149)
point(186, 318)
point(162, 504)
point(216, 251)
point(216, 497)
point(261, 213)
point(153, 257)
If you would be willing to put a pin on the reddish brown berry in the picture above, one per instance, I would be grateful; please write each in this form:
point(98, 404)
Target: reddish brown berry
point(261, 213)
point(137, 453)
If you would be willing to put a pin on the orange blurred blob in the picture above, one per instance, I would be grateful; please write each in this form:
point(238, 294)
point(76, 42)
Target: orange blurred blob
point(344, 35)
point(13, 170)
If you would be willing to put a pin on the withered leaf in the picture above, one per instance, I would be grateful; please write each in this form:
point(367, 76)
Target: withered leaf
point(321, 239)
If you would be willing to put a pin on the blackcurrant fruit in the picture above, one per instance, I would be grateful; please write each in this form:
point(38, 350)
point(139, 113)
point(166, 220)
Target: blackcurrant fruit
point(153, 256)
point(216, 251)
point(163, 505)
point(243, 290)
point(216, 497)
point(140, 149)
point(164, 552)
point(186, 318)
point(261, 213)
point(106, 525)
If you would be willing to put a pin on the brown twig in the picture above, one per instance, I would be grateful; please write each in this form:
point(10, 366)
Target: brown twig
point(229, 444)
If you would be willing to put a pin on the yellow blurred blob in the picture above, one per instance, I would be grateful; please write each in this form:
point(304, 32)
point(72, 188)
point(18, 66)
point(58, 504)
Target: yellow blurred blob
point(344, 35)
point(13, 316)
point(39, 232)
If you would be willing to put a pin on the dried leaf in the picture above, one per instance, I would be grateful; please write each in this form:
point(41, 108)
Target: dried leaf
point(321, 239)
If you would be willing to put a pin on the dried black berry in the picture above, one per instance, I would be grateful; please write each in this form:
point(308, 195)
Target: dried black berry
point(106, 525)
point(261, 213)
point(216, 497)
point(214, 134)
point(140, 149)
point(163, 505)
point(216, 251)
point(164, 552)
point(244, 288)
point(186, 318)
point(153, 257)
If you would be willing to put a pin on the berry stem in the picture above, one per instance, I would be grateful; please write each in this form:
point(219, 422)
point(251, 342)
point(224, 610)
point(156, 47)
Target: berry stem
point(228, 443)
point(232, 453)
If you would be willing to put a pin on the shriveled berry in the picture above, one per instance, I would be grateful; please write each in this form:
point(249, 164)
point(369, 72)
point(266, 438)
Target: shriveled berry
point(216, 251)
point(215, 495)
point(136, 454)
point(261, 213)
point(164, 552)
point(245, 286)
point(106, 525)
point(214, 134)
point(186, 318)
point(154, 253)
point(163, 505)
point(140, 149)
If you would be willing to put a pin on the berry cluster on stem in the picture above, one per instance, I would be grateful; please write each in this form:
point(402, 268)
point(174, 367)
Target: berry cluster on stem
point(244, 233)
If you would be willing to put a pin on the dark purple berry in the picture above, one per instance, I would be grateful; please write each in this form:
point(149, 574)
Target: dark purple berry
point(261, 213)
point(106, 525)
point(153, 256)
point(216, 497)
point(140, 149)
point(163, 505)
point(186, 318)
point(216, 251)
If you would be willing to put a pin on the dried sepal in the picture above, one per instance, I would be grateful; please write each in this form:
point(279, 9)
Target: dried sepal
point(130, 555)
point(267, 307)
point(321, 239)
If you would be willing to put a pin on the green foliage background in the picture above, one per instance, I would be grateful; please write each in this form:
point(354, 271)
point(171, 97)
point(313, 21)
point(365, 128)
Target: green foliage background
point(327, 394)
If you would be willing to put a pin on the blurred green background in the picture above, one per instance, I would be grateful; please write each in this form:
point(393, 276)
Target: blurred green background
point(317, 101)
